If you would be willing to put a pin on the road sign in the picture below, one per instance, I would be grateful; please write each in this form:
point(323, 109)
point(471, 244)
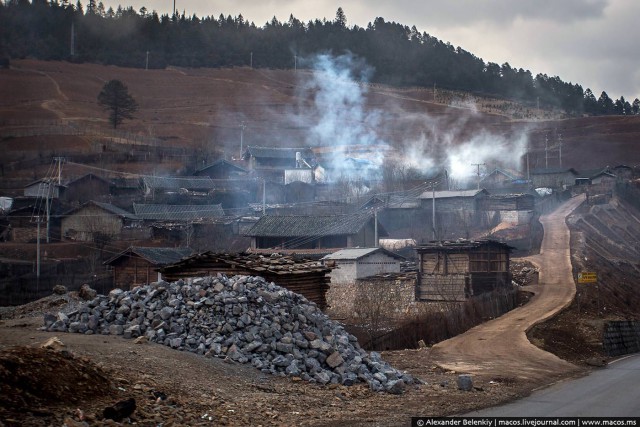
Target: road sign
point(588, 277)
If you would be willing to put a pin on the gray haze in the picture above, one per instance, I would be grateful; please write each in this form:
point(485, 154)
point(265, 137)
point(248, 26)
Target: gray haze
point(589, 42)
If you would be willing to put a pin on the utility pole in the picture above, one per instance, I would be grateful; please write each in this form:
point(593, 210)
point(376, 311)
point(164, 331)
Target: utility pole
point(59, 160)
point(48, 206)
point(174, 8)
point(264, 196)
point(295, 62)
point(251, 60)
point(546, 151)
point(38, 249)
point(242, 126)
point(433, 210)
point(146, 65)
point(478, 166)
point(375, 227)
point(560, 148)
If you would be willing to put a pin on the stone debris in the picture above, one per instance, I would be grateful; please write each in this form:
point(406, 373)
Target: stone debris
point(242, 319)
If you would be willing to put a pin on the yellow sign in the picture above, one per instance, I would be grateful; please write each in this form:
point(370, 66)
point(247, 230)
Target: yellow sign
point(588, 277)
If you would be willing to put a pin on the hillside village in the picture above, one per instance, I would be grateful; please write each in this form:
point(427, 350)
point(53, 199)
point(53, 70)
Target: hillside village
point(402, 257)
point(276, 201)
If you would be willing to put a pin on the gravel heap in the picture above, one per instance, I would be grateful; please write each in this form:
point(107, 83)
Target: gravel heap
point(241, 318)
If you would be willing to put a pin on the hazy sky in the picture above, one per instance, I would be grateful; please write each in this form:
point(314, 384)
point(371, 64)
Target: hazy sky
point(590, 42)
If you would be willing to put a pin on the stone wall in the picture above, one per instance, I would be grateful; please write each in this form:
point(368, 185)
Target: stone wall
point(400, 294)
point(621, 337)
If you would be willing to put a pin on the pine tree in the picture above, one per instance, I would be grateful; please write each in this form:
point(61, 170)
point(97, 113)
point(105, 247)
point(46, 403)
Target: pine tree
point(116, 99)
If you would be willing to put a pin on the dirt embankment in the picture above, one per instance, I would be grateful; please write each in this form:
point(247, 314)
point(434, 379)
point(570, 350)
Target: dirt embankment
point(180, 388)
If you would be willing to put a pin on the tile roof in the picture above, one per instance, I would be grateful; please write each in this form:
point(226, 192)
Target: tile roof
point(157, 256)
point(174, 183)
point(222, 162)
point(460, 244)
point(177, 212)
point(545, 171)
point(107, 207)
point(306, 225)
point(393, 201)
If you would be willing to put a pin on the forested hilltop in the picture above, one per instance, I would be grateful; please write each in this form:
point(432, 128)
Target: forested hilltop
point(401, 56)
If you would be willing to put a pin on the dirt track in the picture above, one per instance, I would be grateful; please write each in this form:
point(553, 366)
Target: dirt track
point(500, 347)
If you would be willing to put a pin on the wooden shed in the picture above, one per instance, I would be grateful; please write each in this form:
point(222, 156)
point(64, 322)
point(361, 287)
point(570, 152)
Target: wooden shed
point(455, 271)
point(138, 265)
point(305, 277)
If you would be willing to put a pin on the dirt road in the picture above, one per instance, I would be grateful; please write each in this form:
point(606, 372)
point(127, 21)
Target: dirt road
point(500, 347)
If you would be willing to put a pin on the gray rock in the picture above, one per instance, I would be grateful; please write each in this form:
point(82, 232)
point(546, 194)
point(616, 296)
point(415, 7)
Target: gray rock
point(395, 387)
point(242, 318)
point(334, 360)
point(465, 382)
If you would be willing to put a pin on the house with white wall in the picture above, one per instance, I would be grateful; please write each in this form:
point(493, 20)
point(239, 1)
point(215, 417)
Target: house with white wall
point(351, 264)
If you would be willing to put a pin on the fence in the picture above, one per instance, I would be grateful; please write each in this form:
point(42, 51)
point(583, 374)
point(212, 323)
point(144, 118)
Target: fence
point(448, 321)
point(23, 288)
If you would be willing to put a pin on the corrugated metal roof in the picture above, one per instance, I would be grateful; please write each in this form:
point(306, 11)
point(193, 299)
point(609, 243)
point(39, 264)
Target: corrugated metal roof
point(305, 225)
point(177, 212)
point(169, 183)
point(449, 194)
point(393, 201)
point(357, 253)
point(157, 256)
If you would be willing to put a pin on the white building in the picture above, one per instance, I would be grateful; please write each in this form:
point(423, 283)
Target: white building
point(356, 263)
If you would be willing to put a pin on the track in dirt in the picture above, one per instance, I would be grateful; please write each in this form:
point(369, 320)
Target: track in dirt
point(501, 347)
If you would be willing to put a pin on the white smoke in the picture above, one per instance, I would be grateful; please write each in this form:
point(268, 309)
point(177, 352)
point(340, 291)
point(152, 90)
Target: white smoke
point(338, 116)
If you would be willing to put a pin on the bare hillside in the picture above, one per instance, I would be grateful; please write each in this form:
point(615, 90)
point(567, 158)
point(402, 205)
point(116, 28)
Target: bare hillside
point(50, 108)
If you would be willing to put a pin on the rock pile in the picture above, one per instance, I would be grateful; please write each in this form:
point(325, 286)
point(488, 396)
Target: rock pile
point(241, 318)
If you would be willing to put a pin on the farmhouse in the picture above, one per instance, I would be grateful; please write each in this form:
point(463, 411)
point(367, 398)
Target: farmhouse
point(553, 177)
point(155, 186)
point(303, 276)
point(138, 265)
point(453, 201)
point(500, 178)
point(94, 219)
point(455, 271)
point(44, 188)
point(348, 265)
point(222, 169)
point(23, 224)
point(456, 212)
point(277, 158)
point(315, 231)
point(515, 209)
point(177, 213)
point(87, 187)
